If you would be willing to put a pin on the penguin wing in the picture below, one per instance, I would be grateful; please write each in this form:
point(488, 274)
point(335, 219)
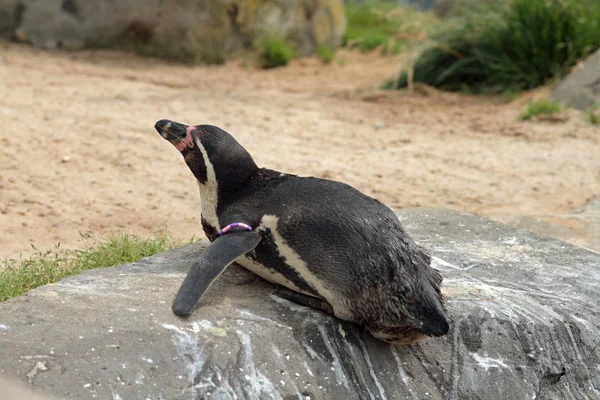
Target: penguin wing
point(213, 261)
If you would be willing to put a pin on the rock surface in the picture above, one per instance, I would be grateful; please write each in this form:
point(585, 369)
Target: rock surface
point(524, 313)
point(581, 88)
point(188, 30)
point(581, 227)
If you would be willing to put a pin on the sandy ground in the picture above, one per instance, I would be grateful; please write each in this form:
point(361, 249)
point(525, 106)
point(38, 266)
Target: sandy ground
point(78, 151)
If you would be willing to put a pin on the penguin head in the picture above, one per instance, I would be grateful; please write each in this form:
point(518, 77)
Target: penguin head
point(207, 148)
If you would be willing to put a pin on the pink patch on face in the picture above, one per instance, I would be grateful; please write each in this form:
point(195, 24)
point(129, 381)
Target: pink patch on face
point(188, 141)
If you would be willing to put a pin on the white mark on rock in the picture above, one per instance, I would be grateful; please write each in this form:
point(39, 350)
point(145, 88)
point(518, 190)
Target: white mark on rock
point(339, 372)
point(206, 324)
point(282, 367)
point(308, 369)
point(146, 359)
point(401, 370)
point(438, 263)
point(311, 352)
point(34, 357)
point(365, 351)
point(40, 366)
point(139, 378)
point(251, 316)
point(188, 347)
point(488, 362)
point(259, 384)
point(3, 327)
point(359, 373)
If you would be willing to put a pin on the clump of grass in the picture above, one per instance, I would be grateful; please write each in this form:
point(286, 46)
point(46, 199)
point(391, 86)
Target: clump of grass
point(593, 116)
point(540, 108)
point(513, 45)
point(43, 267)
point(382, 24)
point(326, 53)
point(275, 51)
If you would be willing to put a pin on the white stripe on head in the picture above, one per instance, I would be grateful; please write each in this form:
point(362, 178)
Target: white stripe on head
point(208, 191)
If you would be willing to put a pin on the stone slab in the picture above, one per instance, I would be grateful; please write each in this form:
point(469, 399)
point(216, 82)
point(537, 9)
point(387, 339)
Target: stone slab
point(581, 88)
point(524, 313)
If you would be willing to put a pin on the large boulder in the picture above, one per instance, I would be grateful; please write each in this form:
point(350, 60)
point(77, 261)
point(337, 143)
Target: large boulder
point(581, 88)
point(524, 312)
point(581, 227)
point(189, 30)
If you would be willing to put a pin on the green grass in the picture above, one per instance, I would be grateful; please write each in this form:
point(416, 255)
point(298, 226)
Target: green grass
point(382, 24)
point(43, 267)
point(275, 51)
point(593, 116)
point(326, 53)
point(540, 108)
point(509, 45)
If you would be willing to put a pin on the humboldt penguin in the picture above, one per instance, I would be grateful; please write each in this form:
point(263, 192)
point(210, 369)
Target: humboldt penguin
point(325, 244)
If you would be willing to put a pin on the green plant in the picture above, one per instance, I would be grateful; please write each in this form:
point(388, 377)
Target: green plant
point(592, 115)
point(514, 45)
point(538, 108)
point(326, 53)
point(275, 51)
point(43, 267)
point(382, 24)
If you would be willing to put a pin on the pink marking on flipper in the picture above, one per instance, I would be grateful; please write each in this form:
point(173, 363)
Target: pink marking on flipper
point(188, 141)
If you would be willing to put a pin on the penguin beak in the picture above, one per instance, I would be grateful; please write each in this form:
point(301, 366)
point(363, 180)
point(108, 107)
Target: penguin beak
point(170, 130)
point(179, 135)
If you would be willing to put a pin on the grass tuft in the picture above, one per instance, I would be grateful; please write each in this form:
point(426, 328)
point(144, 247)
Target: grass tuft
point(509, 45)
point(275, 51)
point(540, 108)
point(326, 53)
point(382, 24)
point(593, 115)
point(44, 267)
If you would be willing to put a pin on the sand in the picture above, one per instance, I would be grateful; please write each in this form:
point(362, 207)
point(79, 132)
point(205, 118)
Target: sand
point(79, 153)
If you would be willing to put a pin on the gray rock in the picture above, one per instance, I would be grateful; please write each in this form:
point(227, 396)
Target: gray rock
point(581, 88)
point(187, 30)
point(581, 227)
point(10, 15)
point(524, 312)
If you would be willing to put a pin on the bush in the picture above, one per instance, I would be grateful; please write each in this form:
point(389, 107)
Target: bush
point(382, 24)
point(518, 45)
point(275, 52)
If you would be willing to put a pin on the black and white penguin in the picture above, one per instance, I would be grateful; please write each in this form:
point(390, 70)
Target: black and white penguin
point(327, 245)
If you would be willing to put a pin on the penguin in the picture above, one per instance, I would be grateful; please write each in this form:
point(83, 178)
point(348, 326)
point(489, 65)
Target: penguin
point(325, 244)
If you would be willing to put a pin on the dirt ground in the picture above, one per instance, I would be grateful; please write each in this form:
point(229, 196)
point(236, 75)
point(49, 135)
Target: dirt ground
point(79, 153)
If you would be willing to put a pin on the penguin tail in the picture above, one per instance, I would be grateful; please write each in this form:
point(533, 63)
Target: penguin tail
point(429, 312)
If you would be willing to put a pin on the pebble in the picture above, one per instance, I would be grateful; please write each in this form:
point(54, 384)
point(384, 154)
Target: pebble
point(65, 159)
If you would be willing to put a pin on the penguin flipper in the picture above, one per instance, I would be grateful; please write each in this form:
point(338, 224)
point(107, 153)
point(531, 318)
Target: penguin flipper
point(213, 261)
point(305, 300)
